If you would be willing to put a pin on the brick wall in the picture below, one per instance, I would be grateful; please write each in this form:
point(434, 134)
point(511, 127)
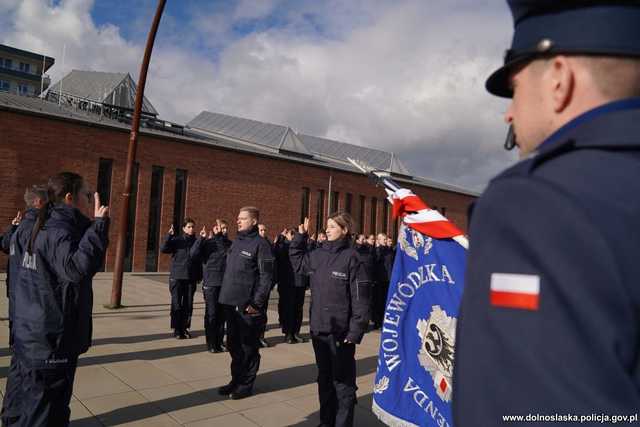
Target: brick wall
point(219, 181)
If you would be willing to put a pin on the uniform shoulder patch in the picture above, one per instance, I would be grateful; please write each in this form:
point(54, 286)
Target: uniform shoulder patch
point(520, 291)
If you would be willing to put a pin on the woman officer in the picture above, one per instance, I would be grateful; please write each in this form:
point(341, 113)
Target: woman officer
point(340, 300)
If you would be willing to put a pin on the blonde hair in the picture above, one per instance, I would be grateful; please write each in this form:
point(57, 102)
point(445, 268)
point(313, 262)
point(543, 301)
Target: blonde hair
point(252, 211)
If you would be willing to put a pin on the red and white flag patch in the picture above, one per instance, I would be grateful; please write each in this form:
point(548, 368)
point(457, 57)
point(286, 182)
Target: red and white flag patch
point(520, 291)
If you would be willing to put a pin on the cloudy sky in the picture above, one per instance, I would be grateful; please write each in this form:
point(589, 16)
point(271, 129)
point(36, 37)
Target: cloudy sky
point(400, 75)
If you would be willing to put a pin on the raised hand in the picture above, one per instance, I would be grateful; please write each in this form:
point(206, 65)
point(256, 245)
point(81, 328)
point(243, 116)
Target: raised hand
point(203, 232)
point(216, 228)
point(171, 231)
point(306, 225)
point(100, 211)
point(17, 219)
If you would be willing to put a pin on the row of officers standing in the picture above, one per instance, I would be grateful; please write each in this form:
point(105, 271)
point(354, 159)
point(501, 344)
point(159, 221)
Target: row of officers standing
point(348, 280)
point(55, 250)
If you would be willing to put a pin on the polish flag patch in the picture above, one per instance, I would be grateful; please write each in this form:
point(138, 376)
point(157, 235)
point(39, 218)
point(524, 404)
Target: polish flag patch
point(521, 291)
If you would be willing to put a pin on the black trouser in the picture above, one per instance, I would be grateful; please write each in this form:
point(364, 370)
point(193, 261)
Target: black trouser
point(378, 302)
point(243, 332)
point(182, 292)
point(336, 379)
point(213, 316)
point(38, 396)
point(290, 308)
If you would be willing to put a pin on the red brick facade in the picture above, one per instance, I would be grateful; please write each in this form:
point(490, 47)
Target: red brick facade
point(220, 181)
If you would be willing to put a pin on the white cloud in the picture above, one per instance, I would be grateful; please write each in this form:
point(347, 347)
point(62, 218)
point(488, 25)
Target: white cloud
point(406, 76)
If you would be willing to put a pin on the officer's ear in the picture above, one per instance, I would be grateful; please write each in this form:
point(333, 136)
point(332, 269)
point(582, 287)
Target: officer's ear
point(561, 75)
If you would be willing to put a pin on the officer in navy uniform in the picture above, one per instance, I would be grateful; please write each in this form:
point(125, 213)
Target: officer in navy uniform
point(58, 254)
point(185, 272)
point(291, 290)
point(245, 293)
point(338, 313)
point(550, 316)
point(212, 250)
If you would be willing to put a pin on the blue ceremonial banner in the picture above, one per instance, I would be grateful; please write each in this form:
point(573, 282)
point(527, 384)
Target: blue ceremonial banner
point(415, 365)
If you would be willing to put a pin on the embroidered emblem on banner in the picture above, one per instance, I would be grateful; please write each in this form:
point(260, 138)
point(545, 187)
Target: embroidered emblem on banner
point(437, 349)
point(381, 386)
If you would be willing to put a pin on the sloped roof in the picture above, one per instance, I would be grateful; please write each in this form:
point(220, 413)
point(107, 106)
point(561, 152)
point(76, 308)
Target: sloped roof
point(116, 89)
point(283, 137)
point(340, 150)
point(237, 127)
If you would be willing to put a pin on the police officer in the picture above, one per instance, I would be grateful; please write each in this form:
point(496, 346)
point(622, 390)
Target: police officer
point(245, 292)
point(213, 252)
point(35, 197)
point(340, 298)
point(185, 270)
point(291, 290)
point(549, 318)
point(262, 232)
point(383, 266)
point(53, 299)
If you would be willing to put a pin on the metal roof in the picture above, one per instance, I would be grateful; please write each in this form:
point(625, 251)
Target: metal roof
point(116, 89)
point(340, 150)
point(283, 137)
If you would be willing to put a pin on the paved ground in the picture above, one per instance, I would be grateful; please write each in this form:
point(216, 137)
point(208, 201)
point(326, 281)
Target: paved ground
point(136, 374)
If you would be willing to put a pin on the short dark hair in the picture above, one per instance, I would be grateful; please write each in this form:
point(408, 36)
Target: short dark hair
point(188, 220)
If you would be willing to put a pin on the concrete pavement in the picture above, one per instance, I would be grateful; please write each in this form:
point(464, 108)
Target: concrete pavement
point(137, 374)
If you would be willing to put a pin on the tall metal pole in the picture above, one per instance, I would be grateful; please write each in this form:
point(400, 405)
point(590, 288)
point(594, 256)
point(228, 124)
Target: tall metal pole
point(116, 290)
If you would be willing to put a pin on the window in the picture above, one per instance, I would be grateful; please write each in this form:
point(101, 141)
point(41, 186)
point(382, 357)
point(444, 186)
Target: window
point(7, 63)
point(155, 209)
point(374, 215)
point(348, 202)
point(304, 209)
point(361, 215)
point(25, 68)
point(320, 211)
point(131, 219)
point(385, 216)
point(105, 168)
point(180, 198)
point(4, 86)
point(443, 211)
point(24, 89)
point(335, 198)
point(396, 228)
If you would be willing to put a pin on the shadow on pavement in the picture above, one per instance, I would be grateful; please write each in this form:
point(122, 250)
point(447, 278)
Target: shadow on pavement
point(268, 382)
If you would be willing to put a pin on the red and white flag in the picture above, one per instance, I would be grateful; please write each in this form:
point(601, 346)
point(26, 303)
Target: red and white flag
point(521, 291)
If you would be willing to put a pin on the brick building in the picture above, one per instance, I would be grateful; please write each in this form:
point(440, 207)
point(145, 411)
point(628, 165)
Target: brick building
point(207, 169)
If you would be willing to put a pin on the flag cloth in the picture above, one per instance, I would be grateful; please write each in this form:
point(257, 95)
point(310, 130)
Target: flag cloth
point(417, 344)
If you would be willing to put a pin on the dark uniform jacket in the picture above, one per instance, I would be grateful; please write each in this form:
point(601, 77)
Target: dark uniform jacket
point(248, 274)
point(384, 257)
point(368, 257)
point(287, 277)
point(340, 287)
point(184, 266)
point(213, 253)
point(53, 291)
point(25, 226)
point(568, 219)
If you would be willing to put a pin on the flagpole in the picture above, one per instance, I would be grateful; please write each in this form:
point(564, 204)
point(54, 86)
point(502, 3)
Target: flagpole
point(116, 290)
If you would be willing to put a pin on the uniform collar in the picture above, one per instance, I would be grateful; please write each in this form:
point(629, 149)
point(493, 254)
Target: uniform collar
point(250, 233)
point(618, 131)
point(69, 215)
point(335, 245)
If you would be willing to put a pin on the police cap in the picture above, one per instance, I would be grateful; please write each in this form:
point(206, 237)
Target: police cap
point(583, 27)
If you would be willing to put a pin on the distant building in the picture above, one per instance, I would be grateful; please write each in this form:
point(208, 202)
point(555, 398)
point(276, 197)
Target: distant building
point(23, 72)
point(205, 169)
